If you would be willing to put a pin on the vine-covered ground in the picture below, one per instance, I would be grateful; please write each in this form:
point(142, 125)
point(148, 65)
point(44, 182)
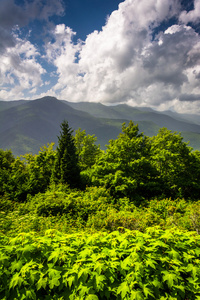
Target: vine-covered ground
point(157, 264)
point(67, 244)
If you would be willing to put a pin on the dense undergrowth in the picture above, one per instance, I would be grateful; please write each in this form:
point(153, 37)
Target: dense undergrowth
point(125, 226)
point(132, 265)
point(92, 210)
point(67, 244)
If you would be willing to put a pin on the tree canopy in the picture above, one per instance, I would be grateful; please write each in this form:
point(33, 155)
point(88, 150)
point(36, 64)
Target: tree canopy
point(134, 166)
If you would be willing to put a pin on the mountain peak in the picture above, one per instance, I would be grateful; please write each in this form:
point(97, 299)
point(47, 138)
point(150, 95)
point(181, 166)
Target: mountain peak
point(47, 98)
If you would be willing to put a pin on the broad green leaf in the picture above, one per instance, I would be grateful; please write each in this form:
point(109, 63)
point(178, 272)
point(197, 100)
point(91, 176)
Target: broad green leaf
point(28, 248)
point(91, 297)
point(34, 275)
point(147, 291)
point(193, 269)
point(16, 265)
point(85, 253)
point(84, 273)
point(53, 273)
point(55, 255)
point(16, 280)
point(150, 262)
point(28, 267)
point(188, 257)
point(123, 289)
point(136, 295)
point(71, 279)
point(139, 246)
point(83, 290)
point(30, 294)
point(99, 280)
point(156, 283)
point(138, 266)
point(125, 264)
point(98, 267)
point(42, 282)
point(173, 253)
point(170, 278)
point(3, 258)
point(124, 244)
point(54, 282)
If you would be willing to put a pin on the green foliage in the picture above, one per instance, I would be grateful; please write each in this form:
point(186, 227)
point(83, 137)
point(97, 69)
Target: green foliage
point(92, 210)
point(139, 167)
point(129, 244)
point(29, 174)
point(134, 166)
point(126, 168)
point(6, 205)
point(6, 160)
point(66, 168)
point(64, 201)
point(153, 265)
point(39, 169)
point(86, 149)
point(178, 167)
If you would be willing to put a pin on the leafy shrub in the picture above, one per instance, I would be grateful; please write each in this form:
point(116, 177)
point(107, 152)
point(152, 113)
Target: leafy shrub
point(69, 202)
point(6, 204)
point(153, 265)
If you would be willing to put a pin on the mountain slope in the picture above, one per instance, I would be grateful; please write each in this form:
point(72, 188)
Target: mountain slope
point(174, 122)
point(31, 125)
point(25, 126)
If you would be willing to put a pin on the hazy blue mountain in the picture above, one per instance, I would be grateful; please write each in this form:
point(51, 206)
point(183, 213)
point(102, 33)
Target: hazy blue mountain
point(25, 126)
point(173, 121)
point(8, 104)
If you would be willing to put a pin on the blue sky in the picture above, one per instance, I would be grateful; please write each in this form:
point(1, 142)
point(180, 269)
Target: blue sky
point(139, 52)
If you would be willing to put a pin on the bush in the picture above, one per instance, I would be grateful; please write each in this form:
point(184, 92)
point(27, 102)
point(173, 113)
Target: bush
point(156, 264)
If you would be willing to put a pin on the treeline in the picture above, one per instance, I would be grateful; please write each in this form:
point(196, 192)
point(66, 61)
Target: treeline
point(134, 166)
point(80, 223)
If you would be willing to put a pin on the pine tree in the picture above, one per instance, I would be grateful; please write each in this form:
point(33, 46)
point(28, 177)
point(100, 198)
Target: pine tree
point(66, 168)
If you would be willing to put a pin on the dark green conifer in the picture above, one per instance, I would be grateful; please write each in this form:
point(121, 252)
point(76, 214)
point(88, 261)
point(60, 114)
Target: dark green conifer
point(66, 164)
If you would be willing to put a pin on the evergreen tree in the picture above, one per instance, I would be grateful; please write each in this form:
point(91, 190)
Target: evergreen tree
point(66, 168)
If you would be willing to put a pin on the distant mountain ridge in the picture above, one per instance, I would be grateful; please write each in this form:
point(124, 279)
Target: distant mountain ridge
point(25, 126)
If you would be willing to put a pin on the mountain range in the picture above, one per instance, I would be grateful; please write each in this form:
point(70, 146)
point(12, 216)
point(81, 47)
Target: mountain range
point(27, 125)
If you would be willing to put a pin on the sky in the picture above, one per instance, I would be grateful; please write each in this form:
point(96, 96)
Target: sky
point(143, 53)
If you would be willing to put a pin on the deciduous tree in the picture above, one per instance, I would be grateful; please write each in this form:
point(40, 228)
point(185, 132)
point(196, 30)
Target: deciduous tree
point(126, 168)
point(86, 149)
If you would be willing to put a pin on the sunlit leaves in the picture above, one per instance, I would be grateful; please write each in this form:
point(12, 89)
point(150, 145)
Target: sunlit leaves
point(170, 278)
point(16, 280)
point(123, 289)
point(125, 168)
point(132, 265)
point(86, 149)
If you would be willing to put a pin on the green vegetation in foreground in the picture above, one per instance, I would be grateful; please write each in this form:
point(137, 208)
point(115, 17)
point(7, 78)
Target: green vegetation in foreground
point(126, 226)
point(133, 265)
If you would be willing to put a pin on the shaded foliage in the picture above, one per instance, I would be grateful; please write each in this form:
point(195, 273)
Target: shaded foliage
point(66, 169)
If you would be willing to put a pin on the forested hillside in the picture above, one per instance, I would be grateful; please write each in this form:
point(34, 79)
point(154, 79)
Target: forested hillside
point(25, 126)
point(78, 222)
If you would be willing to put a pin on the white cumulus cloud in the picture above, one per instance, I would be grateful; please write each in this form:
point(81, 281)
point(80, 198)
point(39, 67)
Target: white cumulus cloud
point(191, 16)
point(131, 60)
point(147, 54)
point(19, 69)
